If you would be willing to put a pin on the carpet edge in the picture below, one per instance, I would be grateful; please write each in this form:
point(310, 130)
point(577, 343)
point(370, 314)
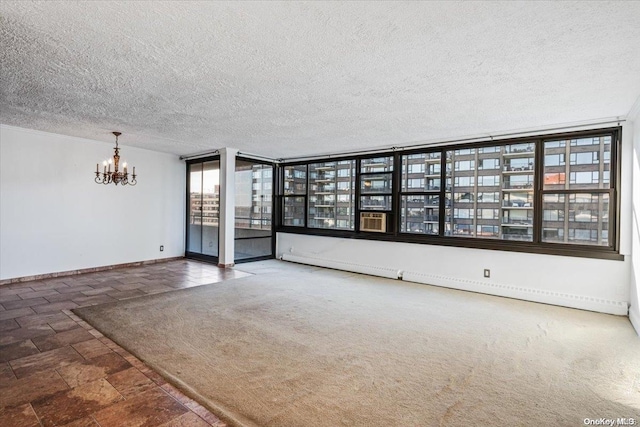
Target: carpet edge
point(231, 419)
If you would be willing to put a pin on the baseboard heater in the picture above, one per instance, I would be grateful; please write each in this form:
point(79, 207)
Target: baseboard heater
point(561, 299)
point(490, 288)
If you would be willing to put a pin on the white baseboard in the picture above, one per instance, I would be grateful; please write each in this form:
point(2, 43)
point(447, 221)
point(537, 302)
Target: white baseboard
point(582, 302)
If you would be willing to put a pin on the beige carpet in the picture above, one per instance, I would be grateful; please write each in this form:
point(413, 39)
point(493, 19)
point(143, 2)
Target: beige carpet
point(312, 347)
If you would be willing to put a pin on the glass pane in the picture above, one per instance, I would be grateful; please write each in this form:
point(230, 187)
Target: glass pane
point(375, 184)
point(583, 163)
point(419, 214)
point(524, 149)
point(210, 207)
point(378, 164)
point(489, 192)
point(377, 203)
point(519, 217)
point(460, 216)
point(488, 231)
point(252, 248)
point(578, 218)
point(195, 208)
point(517, 199)
point(295, 180)
point(294, 211)
point(253, 200)
point(515, 232)
point(421, 172)
point(518, 182)
point(331, 194)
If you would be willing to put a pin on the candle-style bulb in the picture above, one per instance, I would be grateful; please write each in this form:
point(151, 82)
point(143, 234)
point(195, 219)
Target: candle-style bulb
point(110, 161)
point(104, 163)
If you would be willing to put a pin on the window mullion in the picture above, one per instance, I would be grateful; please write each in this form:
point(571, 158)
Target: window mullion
point(395, 190)
point(443, 185)
point(356, 210)
point(538, 191)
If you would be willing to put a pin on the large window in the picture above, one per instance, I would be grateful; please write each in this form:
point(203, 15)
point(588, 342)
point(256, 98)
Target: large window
point(331, 195)
point(494, 201)
point(376, 182)
point(578, 210)
point(253, 202)
point(550, 194)
point(420, 193)
point(295, 195)
point(203, 179)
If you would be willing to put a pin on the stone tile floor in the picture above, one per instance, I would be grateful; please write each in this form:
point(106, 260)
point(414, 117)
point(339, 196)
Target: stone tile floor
point(55, 369)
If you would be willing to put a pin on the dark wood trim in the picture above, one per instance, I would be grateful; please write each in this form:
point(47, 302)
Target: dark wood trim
point(615, 177)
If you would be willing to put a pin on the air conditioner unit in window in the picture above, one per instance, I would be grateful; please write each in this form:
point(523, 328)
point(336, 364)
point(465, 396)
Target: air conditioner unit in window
point(374, 222)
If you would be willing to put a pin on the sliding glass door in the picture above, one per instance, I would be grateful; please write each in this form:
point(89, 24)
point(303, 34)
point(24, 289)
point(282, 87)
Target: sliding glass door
point(203, 208)
point(253, 213)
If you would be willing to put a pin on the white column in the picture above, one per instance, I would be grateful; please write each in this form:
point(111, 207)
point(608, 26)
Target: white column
point(227, 206)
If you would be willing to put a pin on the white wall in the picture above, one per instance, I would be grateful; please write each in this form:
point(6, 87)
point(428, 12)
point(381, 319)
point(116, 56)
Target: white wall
point(54, 218)
point(634, 291)
point(591, 284)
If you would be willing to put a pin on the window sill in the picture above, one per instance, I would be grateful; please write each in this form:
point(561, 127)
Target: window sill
point(463, 242)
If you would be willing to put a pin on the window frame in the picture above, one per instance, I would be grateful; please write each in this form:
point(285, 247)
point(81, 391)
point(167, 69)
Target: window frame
point(536, 246)
point(390, 226)
point(336, 179)
point(274, 214)
point(279, 172)
point(612, 190)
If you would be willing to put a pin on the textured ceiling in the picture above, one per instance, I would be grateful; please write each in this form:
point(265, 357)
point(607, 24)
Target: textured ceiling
point(295, 78)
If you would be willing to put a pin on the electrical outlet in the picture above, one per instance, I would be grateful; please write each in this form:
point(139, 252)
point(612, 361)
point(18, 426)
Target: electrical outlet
point(162, 249)
point(487, 272)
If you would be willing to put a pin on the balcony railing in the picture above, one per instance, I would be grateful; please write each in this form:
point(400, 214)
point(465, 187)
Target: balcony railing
point(509, 221)
point(518, 237)
point(509, 168)
point(516, 204)
point(518, 150)
point(518, 186)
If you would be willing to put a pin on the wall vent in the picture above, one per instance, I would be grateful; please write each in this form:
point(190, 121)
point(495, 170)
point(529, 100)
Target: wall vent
point(373, 222)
